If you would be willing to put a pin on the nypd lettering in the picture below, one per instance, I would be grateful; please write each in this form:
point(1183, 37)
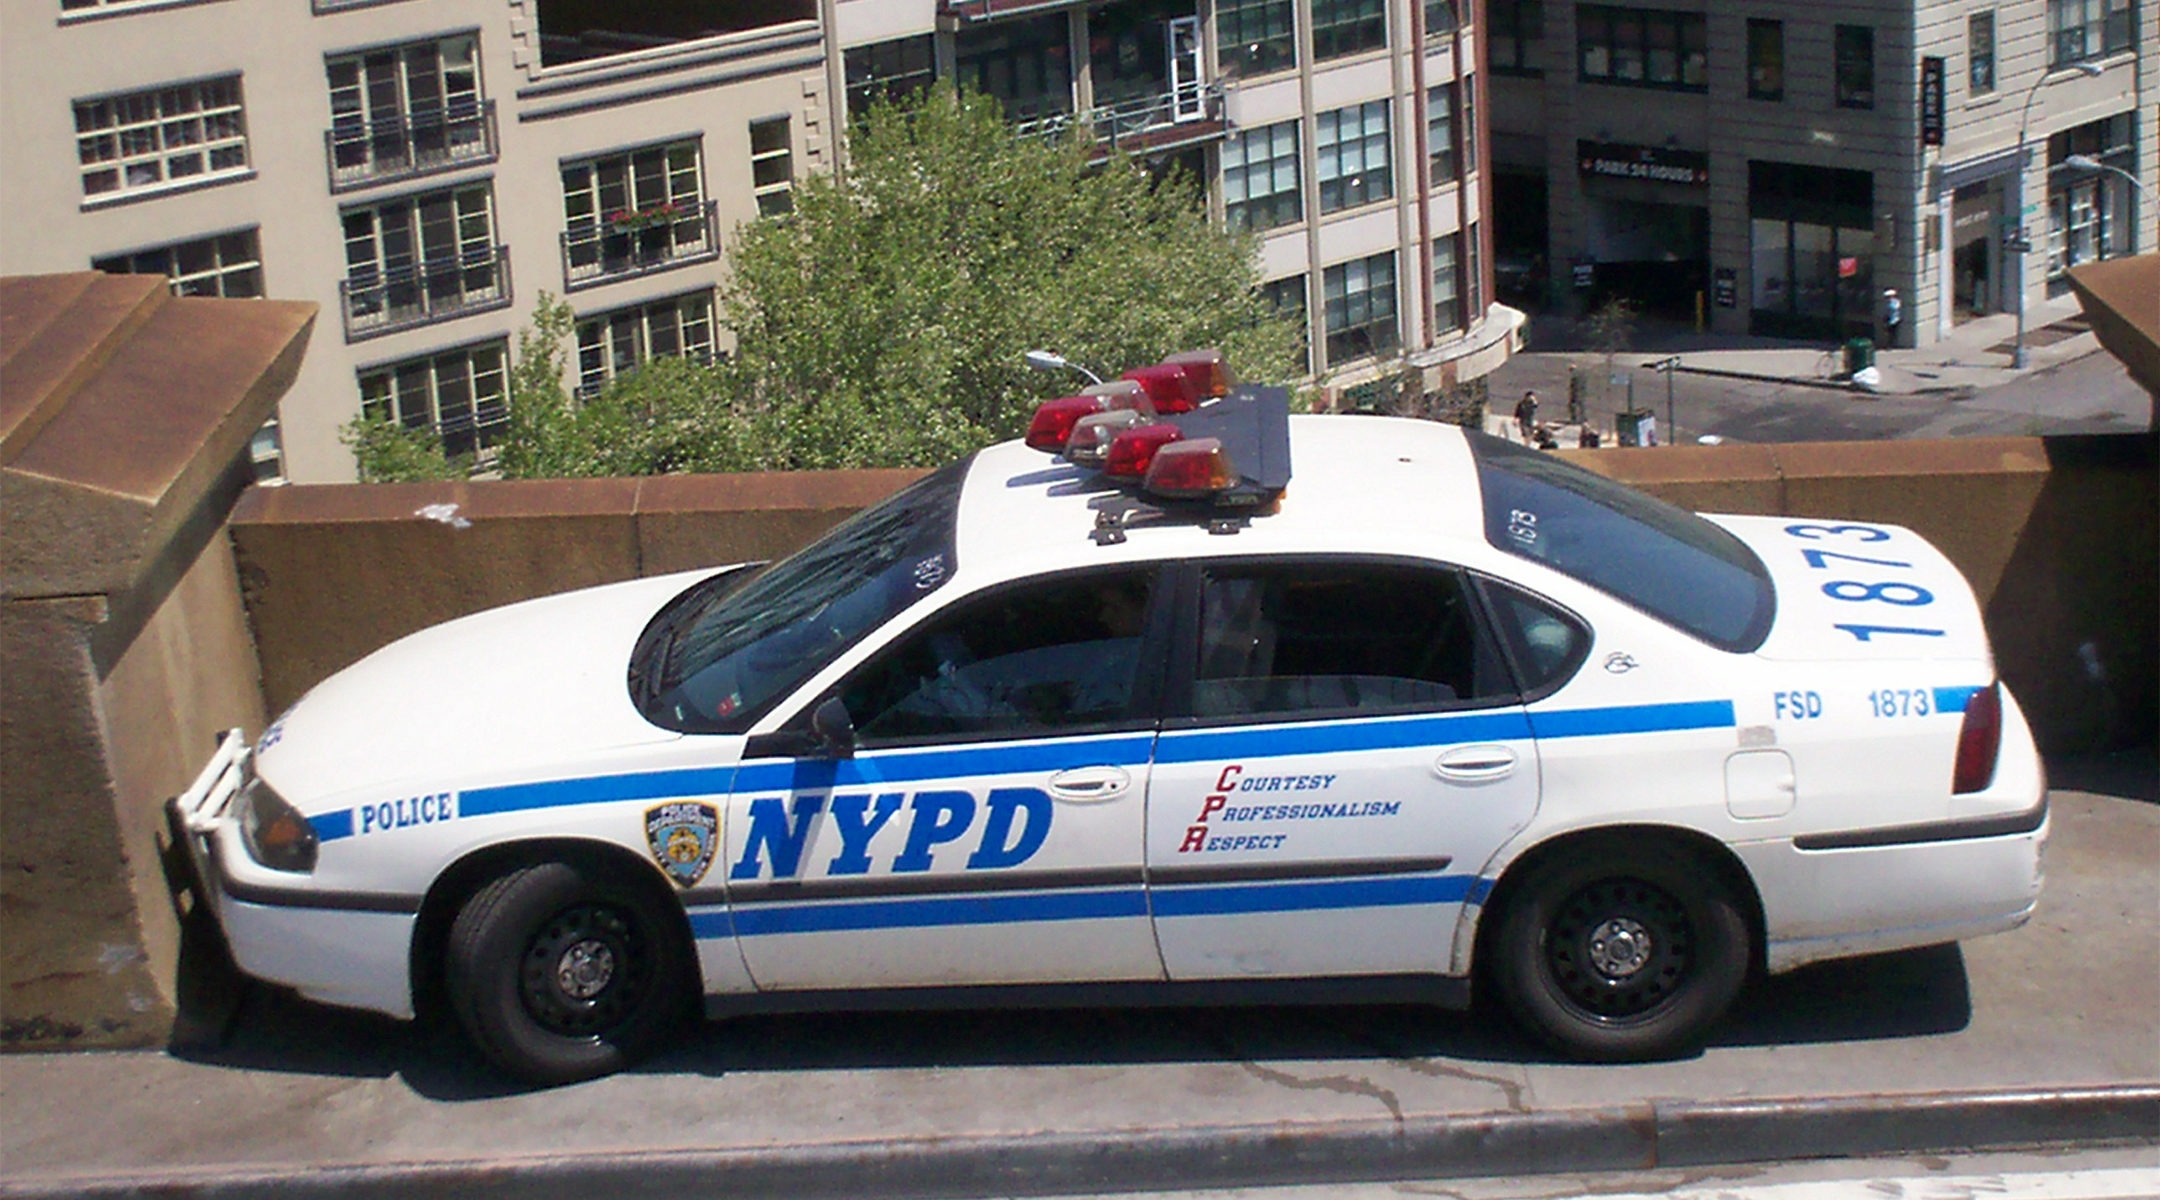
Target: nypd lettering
point(684, 836)
point(403, 814)
point(1013, 826)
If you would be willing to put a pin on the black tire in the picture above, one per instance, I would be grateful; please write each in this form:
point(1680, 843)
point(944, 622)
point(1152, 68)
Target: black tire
point(562, 972)
point(1620, 952)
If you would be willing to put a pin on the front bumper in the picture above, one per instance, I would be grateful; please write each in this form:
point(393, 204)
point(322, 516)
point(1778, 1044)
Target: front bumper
point(328, 946)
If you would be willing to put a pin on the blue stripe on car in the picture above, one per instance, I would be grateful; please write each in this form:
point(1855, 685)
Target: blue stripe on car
point(1953, 699)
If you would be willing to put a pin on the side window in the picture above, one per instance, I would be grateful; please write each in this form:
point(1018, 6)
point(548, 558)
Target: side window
point(1547, 643)
point(1339, 638)
point(1047, 658)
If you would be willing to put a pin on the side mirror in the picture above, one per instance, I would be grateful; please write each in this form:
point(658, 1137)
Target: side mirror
point(834, 729)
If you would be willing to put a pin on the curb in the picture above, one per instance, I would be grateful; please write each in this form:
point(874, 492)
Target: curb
point(1636, 1136)
point(1829, 385)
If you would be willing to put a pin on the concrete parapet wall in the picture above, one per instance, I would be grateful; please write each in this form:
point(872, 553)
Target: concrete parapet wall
point(2057, 536)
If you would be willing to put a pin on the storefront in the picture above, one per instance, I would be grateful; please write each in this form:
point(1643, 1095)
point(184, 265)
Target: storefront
point(1975, 211)
point(1811, 251)
point(2092, 210)
point(1646, 224)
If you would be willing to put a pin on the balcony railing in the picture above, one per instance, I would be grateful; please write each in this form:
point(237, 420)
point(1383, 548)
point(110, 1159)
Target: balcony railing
point(1183, 116)
point(380, 302)
point(408, 145)
point(633, 243)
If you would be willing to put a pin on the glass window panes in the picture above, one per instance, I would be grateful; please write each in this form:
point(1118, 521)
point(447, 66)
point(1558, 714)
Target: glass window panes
point(614, 343)
point(1855, 66)
point(2085, 29)
point(1440, 18)
point(419, 258)
point(142, 141)
point(887, 71)
point(1342, 27)
point(1447, 295)
point(1254, 37)
point(1514, 34)
point(461, 394)
point(1359, 299)
point(1638, 47)
point(1352, 146)
point(1260, 177)
point(1440, 154)
point(1980, 52)
point(227, 265)
point(1766, 60)
point(402, 110)
point(772, 166)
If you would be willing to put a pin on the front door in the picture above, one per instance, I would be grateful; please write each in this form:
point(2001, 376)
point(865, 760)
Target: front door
point(1348, 750)
point(988, 828)
point(1188, 104)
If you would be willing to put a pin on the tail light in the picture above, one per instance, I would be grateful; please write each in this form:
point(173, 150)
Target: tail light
point(1133, 451)
point(1187, 469)
point(1979, 738)
point(1052, 426)
point(1169, 386)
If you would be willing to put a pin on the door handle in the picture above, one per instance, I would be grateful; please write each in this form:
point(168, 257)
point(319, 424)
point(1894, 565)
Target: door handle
point(1086, 785)
point(1475, 764)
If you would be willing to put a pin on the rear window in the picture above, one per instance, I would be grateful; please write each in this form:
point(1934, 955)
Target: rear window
point(1661, 559)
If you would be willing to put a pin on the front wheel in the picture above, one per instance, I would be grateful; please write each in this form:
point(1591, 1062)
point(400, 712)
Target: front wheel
point(1620, 953)
point(562, 972)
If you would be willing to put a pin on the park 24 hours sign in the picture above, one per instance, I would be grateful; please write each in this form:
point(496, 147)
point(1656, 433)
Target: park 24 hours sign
point(1620, 160)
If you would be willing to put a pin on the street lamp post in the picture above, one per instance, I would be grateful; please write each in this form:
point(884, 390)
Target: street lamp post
point(2022, 246)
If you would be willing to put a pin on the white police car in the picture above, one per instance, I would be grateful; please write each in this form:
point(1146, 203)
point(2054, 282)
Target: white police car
point(1184, 728)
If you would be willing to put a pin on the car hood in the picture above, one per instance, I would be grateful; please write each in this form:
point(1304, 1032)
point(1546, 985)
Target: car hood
point(1860, 597)
point(503, 693)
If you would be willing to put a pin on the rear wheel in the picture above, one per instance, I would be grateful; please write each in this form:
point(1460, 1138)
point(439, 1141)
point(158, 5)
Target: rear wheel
point(1620, 952)
point(561, 972)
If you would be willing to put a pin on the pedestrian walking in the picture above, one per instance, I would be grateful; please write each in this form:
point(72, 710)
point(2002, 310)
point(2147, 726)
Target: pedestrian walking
point(1526, 414)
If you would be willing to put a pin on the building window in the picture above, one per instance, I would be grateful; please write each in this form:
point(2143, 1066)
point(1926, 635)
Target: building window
point(1287, 297)
point(1980, 52)
point(1260, 177)
point(1026, 64)
point(636, 212)
point(1637, 47)
point(1855, 66)
point(460, 394)
point(2090, 213)
point(166, 137)
point(1440, 150)
point(2084, 29)
point(1353, 153)
point(407, 110)
point(1812, 248)
point(1341, 27)
point(772, 166)
point(1515, 30)
point(1447, 293)
point(1254, 37)
point(575, 32)
point(228, 265)
point(611, 345)
point(422, 258)
point(1440, 18)
point(1360, 303)
point(888, 71)
point(1766, 60)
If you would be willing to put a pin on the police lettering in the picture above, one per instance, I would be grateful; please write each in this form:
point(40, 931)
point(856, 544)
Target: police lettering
point(414, 810)
point(1016, 822)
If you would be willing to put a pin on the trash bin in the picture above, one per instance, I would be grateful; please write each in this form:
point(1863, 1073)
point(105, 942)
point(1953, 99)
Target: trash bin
point(1859, 354)
point(1627, 426)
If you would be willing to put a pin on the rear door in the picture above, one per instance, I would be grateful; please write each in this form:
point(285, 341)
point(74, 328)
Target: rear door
point(988, 828)
point(1345, 748)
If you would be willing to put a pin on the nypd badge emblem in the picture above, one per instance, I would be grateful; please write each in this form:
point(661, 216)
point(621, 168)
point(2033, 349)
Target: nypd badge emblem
point(684, 836)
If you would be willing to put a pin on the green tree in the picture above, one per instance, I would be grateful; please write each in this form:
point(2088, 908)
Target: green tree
point(884, 321)
point(388, 452)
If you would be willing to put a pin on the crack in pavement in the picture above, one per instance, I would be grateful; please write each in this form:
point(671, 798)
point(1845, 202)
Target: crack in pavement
point(1347, 1085)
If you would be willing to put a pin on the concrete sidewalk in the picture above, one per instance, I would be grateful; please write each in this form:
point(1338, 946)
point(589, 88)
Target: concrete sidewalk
point(1974, 357)
point(2050, 1034)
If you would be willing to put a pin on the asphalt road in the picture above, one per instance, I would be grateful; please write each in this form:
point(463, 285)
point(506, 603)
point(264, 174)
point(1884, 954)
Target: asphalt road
point(1989, 1043)
point(2091, 394)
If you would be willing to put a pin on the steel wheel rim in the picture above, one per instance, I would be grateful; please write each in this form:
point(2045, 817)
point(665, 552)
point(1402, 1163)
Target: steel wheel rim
point(584, 971)
point(1619, 949)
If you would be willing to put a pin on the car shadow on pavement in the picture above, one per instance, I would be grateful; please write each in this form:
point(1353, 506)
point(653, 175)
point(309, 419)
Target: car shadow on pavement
point(1913, 993)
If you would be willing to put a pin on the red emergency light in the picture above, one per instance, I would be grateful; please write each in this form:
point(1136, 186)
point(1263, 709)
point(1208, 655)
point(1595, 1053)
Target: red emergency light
point(1133, 451)
point(1052, 426)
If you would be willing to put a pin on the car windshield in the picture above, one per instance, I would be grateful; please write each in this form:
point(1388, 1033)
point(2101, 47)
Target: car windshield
point(714, 659)
point(1662, 559)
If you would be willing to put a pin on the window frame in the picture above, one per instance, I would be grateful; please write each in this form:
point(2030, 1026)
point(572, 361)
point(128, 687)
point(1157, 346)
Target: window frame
point(485, 419)
point(1980, 81)
point(1513, 28)
point(1444, 157)
point(1343, 28)
point(2114, 22)
point(593, 379)
point(134, 262)
point(1271, 203)
point(152, 123)
point(1765, 59)
point(1852, 49)
point(1374, 348)
point(774, 197)
point(1368, 184)
point(1635, 31)
point(1247, 56)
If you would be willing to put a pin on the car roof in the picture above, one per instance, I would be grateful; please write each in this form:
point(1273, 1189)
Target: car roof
point(1357, 483)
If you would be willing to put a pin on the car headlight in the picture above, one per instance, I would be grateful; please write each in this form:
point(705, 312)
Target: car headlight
point(275, 833)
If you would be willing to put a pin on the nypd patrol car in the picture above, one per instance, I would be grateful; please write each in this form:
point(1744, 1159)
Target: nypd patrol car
point(1183, 699)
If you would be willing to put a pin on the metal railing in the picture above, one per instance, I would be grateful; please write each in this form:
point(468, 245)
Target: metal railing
point(634, 243)
point(380, 302)
point(1193, 110)
point(408, 145)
